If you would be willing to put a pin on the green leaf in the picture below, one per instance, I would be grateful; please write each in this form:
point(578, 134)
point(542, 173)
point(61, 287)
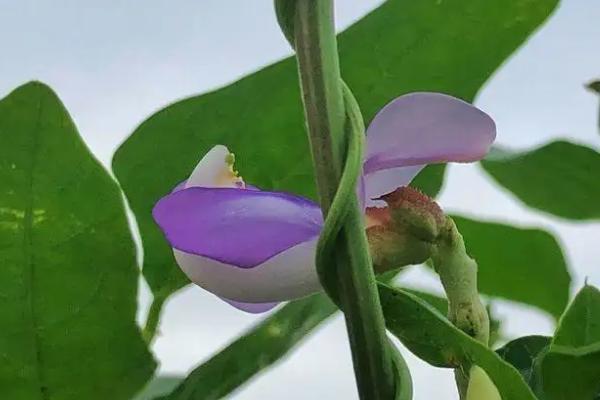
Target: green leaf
point(437, 302)
point(571, 367)
point(430, 336)
point(525, 354)
point(441, 305)
point(67, 263)
point(580, 325)
point(567, 366)
point(430, 179)
point(571, 373)
point(518, 264)
point(400, 47)
point(560, 178)
point(256, 350)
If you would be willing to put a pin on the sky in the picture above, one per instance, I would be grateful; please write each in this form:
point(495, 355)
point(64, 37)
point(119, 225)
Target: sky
point(115, 62)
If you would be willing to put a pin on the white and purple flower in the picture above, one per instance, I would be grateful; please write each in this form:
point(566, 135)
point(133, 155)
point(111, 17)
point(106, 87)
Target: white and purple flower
point(256, 248)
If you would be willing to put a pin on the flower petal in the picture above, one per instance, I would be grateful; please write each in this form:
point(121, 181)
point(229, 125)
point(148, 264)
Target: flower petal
point(288, 275)
point(236, 226)
point(422, 128)
point(210, 169)
point(252, 308)
point(180, 186)
point(386, 181)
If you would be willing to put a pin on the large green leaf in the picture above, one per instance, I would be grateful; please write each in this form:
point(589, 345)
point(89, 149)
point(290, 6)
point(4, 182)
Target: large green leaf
point(400, 47)
point(571, 367)
point(68, 274)
point(525, 265)
point(430, 336)
point(560, 178)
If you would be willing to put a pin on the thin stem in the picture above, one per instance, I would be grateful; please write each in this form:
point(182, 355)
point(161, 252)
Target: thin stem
point(151, 325)
point(328, 127)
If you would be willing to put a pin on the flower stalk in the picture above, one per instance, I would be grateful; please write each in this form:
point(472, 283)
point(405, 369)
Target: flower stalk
point(413, 228)
point(458, 274)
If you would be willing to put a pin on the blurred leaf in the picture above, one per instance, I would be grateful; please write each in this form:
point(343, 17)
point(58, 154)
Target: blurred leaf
point(400, 47)
point(518, 264)
point(256, 350)
point(525, 354)
point(594, 86)
point(430, 179)
point(560, 178)
point(262, 346)
point(159, 386)
point(67, 263)
point(571, 367)
point(430, 336)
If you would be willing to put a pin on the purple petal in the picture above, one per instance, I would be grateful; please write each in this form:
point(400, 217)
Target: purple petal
point(252, 308)
point(236, 226)
point(423, 128)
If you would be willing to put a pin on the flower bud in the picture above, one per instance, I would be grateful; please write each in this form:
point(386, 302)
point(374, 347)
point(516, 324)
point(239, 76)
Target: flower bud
point(416, 211)
point(405, 231)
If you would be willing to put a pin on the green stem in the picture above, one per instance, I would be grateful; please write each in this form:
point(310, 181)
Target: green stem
point(458, 274)
point(342, 258)
point(151, 325)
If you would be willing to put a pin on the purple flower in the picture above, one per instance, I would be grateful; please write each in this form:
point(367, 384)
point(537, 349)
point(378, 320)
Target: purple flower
point(256, 248)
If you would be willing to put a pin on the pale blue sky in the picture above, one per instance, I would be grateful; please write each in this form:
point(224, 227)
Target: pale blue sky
point(115, 62)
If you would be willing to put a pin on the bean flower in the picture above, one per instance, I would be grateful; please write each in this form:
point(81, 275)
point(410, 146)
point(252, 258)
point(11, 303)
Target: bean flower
point(255, 248)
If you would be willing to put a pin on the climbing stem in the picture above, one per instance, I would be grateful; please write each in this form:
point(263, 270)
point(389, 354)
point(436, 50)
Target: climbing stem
point(336, 133)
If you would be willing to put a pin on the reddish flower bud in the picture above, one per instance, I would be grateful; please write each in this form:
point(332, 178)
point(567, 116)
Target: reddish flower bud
point(405, 231)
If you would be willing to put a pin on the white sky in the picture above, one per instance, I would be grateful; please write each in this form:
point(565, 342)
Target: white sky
point(113, 64)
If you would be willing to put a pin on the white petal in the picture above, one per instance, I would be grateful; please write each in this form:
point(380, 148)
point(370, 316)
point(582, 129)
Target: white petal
point(214, 170)
point(289, 275)
point(386, 181)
